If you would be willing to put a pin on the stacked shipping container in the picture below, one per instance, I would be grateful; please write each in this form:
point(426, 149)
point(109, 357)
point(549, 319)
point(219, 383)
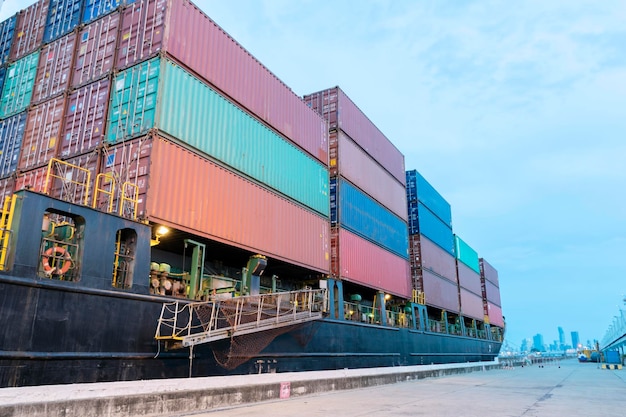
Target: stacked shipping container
point(368, 204)
point(491, 293)
point(468, 273)
point(219, 120)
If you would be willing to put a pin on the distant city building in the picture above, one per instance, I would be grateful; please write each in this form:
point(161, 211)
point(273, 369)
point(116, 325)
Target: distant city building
point(575, 340)
point(524, 347)
point(561, 338)
point(538, 342)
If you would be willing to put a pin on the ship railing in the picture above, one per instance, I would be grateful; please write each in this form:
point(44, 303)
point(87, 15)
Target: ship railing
point(371, 315)
point(203, 322)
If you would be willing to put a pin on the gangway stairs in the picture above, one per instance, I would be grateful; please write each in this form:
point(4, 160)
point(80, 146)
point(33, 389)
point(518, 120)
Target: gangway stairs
point(186, 324)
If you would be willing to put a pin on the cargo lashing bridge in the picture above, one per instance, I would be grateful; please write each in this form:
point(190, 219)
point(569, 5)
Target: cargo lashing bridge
point(184, 324)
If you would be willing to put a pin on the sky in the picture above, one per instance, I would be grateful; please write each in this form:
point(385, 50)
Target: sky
point(515, 113)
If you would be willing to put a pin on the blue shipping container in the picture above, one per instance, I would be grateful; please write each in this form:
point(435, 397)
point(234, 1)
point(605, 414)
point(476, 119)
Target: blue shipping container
point(96, 8)
point(3, 73)
point(11, 135)
point(424, 221)
point(63, 17)
point(7, 32)
point(418, 189)
point(365, 217)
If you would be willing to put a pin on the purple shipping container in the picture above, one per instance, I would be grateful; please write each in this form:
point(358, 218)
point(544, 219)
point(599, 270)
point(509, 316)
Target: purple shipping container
point(342, 114)
point(347, 159)
point(488, 272)
point(95, 49)
point(440, 292)
point(495, 315)
point(429, 256)
point(43, 130)
point(85, 118)
point(468, 279)
point(358, 260)
point(29, 29)
point(491, 293)
point(186, 34)
point(471, 305)
point(54, 69)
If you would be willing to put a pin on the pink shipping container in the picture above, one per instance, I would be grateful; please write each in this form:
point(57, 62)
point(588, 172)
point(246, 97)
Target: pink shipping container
point(54, 69)
point(358, 260)
point(440, 292)
point(429, 256)
point(342, 114)
point(495, 315)
point(42, 135)
point(185, 33)
point(194, 194)
point(471, 305)
point(29, 29)
point(351, 162)
point(468, 278)
point(85, 118)
point(95, 49)
point(491, 293)
point(488, 272)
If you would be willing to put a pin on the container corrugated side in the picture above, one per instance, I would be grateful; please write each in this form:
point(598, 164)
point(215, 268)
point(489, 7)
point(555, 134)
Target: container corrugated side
point(190, 192)
point(184, 32)
point(3, 73)
point(18, 86)
point(95, 49)
point(466, 254)
point(440, 292)
point(29, 29)
point(85, 118)
point(365, 263)
point(429, 256)
point(7, 33)
point(63, 17)
point(54, 69)
point(418, 189)
point(159, 94)
point(468, 278)
point(342, 114)
point(362, 215)
point(353, 163)
point(488, 272)
point(495, 315)
point(7, 187)
point(11, 135)
point(471, 305)
point(43, 133)
point(423, 221)
point(93, 9)
point(491, 293)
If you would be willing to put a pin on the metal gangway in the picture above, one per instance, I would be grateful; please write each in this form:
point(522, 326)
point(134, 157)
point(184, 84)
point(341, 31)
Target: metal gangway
point(186, 324)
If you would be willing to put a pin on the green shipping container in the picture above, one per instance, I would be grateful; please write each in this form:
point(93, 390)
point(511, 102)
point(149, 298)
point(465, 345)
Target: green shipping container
point(466, 254)
point(18, 85)
point(159, 94)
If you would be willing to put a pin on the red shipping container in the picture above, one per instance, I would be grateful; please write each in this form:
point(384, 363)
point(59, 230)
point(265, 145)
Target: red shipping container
point(440, 292)
point(43, 130)
point(358, 260)
point(95, 49)
point(54, 69)
point(491, 293)
point(342, 114)
point(85, 118)
point(185, 33)
point(189, 192)
point(495, 315)
point(468, 278)
point(7, 185)
point(29, 29)
point(488, 272)
point(34, 179)
point(429, 256)
point(351, 162)
point(471, 305)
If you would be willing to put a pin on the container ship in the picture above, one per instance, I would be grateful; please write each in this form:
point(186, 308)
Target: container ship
point(172, 209)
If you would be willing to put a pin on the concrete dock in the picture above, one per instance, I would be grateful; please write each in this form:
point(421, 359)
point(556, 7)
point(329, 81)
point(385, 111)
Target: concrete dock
point(565, 388)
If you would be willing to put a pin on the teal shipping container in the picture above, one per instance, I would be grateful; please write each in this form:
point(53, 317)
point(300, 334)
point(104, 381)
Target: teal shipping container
point(365, 217)
point(18, 85)
point(418, 189)
point(422, 220)
point(160, 95)
point(466, 254)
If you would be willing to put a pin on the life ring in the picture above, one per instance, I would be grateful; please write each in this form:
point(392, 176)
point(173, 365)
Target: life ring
point(58, 252)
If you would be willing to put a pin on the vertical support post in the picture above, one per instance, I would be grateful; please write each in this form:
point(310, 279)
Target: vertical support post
point(383, 312)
